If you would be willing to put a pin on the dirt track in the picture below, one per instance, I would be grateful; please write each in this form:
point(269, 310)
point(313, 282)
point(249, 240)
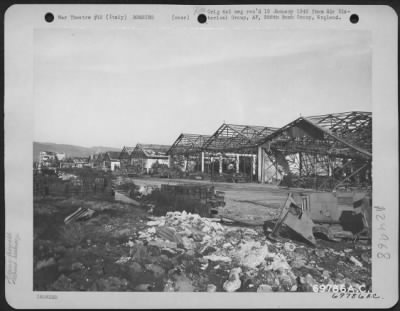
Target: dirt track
point(248, 202)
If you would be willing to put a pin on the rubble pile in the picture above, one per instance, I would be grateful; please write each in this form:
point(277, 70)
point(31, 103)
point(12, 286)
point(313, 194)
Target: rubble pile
point(193, 253)
point(121, 248)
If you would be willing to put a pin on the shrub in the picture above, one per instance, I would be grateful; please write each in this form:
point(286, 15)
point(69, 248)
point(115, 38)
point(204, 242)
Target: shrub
point(73, 234)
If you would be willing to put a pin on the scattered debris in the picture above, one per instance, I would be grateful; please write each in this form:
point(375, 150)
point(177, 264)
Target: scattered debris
point(156, 269)
point(183, 251)
point(168, 233)
point(251, 254)
point(45, 263)
point(80, 214)
point(297, 218)
point(218, 258)
point(366, 257)
point(355, 261)
point(333, 216)
point(123, 198)
point(145, 190)
point(320, 252)
point(123, 259)
point(234, 282)
point(289, 247)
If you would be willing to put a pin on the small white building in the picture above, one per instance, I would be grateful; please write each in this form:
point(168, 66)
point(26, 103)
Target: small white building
point(80, 162)
point(60, 156)
point(47, 159)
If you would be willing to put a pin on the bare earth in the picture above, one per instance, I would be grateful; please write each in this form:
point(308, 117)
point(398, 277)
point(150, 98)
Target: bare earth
point(251, 203)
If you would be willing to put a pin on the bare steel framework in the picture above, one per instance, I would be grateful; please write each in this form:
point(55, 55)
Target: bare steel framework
point(237, 138)
point(354, 127)
point(331, 149)
point(188, 144)
point(230, 143)
point(334, 149)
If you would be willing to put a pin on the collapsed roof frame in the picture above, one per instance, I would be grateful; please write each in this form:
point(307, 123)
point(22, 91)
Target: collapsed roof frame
point(237, 138)
point(355, 127)
point(150, 151)
point(188, 144)
point(321, 139)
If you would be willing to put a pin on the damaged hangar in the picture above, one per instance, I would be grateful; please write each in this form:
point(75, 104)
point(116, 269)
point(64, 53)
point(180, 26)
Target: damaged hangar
point(321, 152)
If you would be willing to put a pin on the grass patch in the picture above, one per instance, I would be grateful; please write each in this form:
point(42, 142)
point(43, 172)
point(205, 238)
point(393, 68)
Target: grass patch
point(72, 235)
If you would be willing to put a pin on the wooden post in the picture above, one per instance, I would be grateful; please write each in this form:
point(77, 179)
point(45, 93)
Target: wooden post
point(263, 166)
point(253, 163)
point(300, 164)
point(220, 164)
point(212, 166)
point(237, 163)
point(329, 167)
point(202, 161)
point(259, 164)
point(315, 171)
point(185, 163)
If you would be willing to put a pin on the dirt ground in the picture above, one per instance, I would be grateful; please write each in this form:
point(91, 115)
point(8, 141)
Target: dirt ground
point(97, 255)
point(247, 202)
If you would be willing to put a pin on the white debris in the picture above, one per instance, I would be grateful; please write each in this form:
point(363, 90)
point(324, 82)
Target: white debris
point(289, 247)
point(233, 283)
point(227, 245)
point(249, 231)
point(153, 223)
point(123, 259)
point(144, 235)
point(145, 190)
point(279, 263)
point(45, 263)
point(151, 230)
point(251, 254)
point(355, 261)
point(215, 257)
point(188, 243)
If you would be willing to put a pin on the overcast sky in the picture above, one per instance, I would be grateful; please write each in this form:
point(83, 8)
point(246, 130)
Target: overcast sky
point(115, 88)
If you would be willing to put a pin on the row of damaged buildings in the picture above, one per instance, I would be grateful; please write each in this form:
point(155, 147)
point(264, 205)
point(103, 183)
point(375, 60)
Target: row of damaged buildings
point(141, 159)
point(322, 152)
point(105, 161)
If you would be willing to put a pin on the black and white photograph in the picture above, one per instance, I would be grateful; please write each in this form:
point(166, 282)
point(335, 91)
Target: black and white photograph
point(196, 157)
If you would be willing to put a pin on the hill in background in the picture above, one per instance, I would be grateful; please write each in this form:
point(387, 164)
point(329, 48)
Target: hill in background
point(69, 150)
